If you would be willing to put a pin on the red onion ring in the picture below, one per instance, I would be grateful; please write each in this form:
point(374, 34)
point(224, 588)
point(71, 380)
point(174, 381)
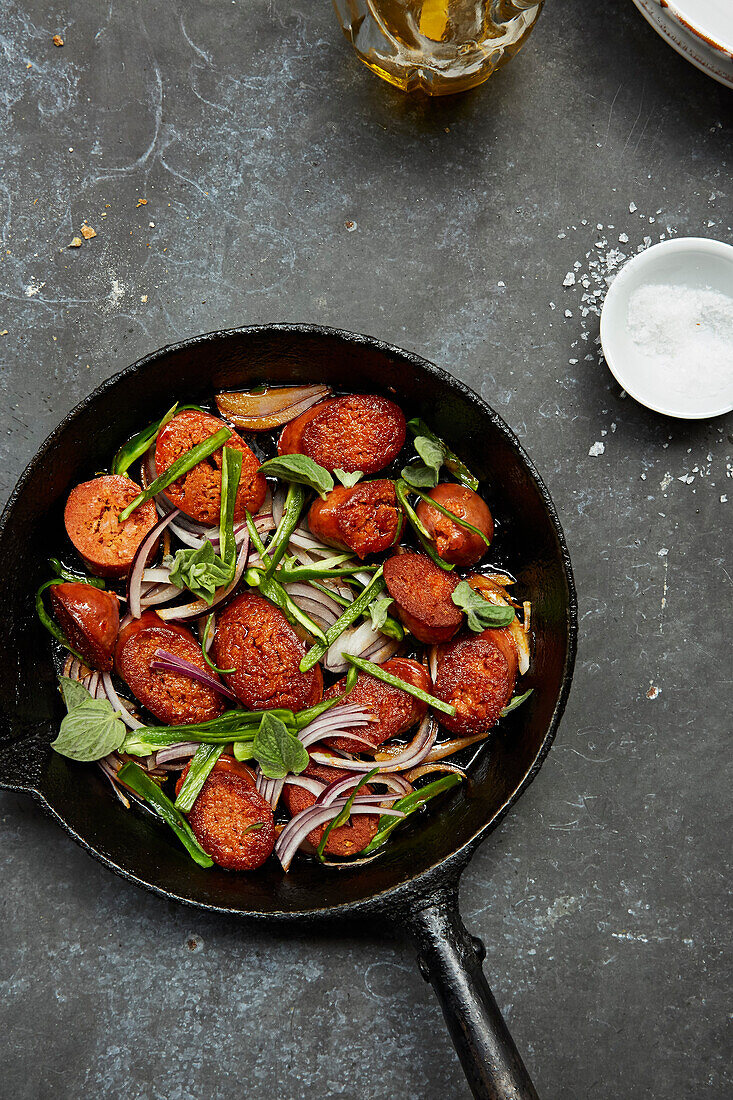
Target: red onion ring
point(109, 689)
point(163, 661)
point(135, 579)
point(297, 829)
point(412, 754)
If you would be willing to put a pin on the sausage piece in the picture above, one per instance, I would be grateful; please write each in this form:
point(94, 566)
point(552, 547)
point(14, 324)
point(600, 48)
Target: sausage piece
point(365, 520)
point(358, 432)
point(198, 493)
point(422, 594)
point(172, 697)
point(395, 710)
point(232, 822)
point(225, 763)
point(254, 638)
point(90, 619)
point(454, 543)
point(476, 674)
point(346, 840)
point(91, 517)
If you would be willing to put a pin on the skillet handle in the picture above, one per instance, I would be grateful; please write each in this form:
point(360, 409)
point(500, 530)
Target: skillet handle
point(450, 959)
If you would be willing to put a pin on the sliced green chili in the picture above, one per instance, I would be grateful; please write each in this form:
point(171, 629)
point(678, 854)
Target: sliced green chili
point(294, 502)
point(401, 488)
point(136, 779)
point(272, 590)
point(204, 639)
point(257, 540)
point(202, 763)
point(142, 441)
point(343, 817)
point(451, 515)
point(408, 805)
point(76, 578)
point(392, 628)
point(515, 702)
point(379, 674)
point(231, 472)
point(181, 466)
point(308, 573)
point(350, 615)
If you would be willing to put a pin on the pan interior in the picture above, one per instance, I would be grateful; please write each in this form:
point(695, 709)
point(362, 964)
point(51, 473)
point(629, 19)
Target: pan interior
point(528, 542)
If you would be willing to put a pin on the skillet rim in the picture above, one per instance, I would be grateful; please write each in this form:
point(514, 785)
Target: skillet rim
point(452, 865)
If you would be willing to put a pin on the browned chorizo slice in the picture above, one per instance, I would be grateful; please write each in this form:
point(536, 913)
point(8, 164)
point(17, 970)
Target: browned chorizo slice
point(395, 710)
point(90, 619)
point(454, 543)
point(232, 822)
point(225, 763)
point(476, 674)
point(358, 432)
point(365, 520)
point(92, 524)
point(198, 493)
point(422, 594)
point(346, 840)
point(254, 638)
point(172, 697)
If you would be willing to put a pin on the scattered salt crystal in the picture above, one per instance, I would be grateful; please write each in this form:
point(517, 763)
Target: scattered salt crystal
point(724, 498)
point(683, 336)
point(569, 279)
point(632, 207)
point(501, 283)
point(568, 313)
point(663, 552)
point(687, 479)
point(597, 449)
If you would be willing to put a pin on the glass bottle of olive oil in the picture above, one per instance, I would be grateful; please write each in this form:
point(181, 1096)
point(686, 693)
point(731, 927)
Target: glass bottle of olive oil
point(439, 46)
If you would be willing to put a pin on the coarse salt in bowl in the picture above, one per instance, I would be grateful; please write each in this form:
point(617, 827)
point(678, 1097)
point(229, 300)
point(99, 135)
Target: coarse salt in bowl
point(667, 328)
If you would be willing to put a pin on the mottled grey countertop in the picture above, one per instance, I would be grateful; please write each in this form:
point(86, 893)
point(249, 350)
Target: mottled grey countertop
point(256, 139)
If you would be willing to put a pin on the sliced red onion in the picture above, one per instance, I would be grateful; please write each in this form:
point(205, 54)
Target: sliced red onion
point(160, 594)
point(111, 775)
point(135, 579)
point(412, 754)
point(163, 661)
point(157, 575)
point(200, 607)
point(316, 604)
point(360, 641)
point(313, 785)
point(433, 662)
point(337, 722)
point(340, 786)
point(130, 721)
point(278, 505)
point(298, 828)
point(183, 750)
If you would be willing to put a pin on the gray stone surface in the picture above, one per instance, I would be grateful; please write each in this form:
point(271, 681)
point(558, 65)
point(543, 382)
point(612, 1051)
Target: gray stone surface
point(255, 137)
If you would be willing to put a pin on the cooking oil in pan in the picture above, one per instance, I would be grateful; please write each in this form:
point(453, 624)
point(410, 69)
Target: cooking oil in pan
point(439, 46)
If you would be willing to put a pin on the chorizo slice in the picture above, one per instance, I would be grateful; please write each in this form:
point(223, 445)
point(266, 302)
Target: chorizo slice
point(198, 493)
point(225, 763)
point(232, 822)
point(366, 519)
point(346, 840)
point(172, 697)
point(91, 518)
point(254, 638)
point(422, 594)
point(357, 432)
point(454, 543)
point(90, 619)
point(395, 710)
point(476, 674)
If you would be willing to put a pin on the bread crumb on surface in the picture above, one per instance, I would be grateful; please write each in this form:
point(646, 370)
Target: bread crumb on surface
point(58, 40)
point(75, 242)
point(87, 232)
point(141, 202)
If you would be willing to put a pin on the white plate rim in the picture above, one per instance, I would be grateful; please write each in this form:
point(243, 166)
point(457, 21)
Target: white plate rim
point(693, 48)
point(678, 244)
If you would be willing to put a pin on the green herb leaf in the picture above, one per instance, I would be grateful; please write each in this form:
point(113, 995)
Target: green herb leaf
point(201, 571)
point(73, 692)
point(450, 460)
point(181, 466)
point(301, 469)
point(516, 702)
point(278, 751)
point(432, 451)
point(420, 476)
point(345, 814)
point(378, 611)
point(480, 614)
point(91, 728)
point(409, 804)
point(379, 674)
point(349, 480)
point(140, 782)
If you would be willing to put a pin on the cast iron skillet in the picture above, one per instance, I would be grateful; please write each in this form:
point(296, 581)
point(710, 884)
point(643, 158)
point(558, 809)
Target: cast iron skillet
point(415, 882)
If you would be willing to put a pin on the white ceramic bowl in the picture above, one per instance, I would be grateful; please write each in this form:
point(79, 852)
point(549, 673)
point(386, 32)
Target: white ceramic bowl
point(691, 261)
point(700, 30)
